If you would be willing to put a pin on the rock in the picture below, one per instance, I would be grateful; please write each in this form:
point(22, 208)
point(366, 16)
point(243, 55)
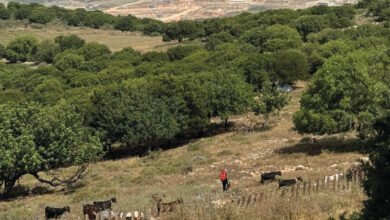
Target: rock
point(238, 161)
point(334, 166)
point(219, 203)
point(197, 159)
point(365, 159)
point(300, 167)
point(356, 163)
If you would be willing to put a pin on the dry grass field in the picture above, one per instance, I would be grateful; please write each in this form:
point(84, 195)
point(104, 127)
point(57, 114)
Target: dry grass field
point(115, 40)
point(134, 180)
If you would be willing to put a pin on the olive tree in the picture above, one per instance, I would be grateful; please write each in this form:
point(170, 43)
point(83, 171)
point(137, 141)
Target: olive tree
point(36, 140)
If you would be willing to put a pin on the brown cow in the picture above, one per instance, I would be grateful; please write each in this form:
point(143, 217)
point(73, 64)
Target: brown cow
point(91, 211)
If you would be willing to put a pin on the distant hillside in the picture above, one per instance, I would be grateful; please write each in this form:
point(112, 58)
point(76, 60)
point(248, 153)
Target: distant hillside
point(169, 10)
point(87, 4)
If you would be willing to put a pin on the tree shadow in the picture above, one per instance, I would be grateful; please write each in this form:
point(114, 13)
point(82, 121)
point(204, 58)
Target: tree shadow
point(313, 147)
point(213, 129)
point(22, 191)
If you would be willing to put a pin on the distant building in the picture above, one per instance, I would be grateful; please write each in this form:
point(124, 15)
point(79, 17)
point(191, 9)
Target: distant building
point(323, 3)
point(237, 1)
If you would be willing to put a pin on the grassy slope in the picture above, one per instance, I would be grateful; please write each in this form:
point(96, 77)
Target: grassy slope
point(115, 40)
point(134, 180)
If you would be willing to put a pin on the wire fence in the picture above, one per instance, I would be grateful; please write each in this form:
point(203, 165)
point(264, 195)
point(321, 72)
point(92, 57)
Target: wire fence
point(336, 184)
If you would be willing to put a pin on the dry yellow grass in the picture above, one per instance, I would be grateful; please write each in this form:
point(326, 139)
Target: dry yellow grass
point(115, 40)
point(134, 180)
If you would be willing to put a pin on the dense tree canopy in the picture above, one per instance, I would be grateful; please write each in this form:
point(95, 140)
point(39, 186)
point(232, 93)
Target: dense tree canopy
point(226, 66)
point(21, 49)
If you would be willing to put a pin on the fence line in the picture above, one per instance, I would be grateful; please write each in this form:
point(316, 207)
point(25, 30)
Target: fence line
point(342, 184)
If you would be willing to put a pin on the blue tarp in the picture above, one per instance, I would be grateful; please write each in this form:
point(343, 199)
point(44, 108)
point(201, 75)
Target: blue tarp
point(285, 88)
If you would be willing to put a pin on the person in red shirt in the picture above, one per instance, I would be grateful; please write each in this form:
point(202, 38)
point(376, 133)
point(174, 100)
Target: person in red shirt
point(225, 179)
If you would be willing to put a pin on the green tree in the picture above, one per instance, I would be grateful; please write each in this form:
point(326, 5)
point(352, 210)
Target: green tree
point(21, 49)
point(351, 92)
point(96, 19)
point(2, 51)
point(280, 37)
point(377, 181)
point(4, 13)
point(128, 54)
point(385, 14)
point(229, 94)
point(343, 90)
point(269, 100)
point(13, 7)
point(69, 42)
point(40, 15)
point(127, 23)
point(273, 38)
point(171, 31)
point(66, 61)
point(180, 52)
point(46, 51)
point(38, 139)
point(93, 50)
point(152, 26)
point(23, 12)
point(154, 56)
point(48, 92)
point(290, 66)
point(133, 117)
point(218, 38)
point(310, 24)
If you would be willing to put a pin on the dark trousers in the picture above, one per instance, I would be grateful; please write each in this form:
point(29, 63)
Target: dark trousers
point(225, 185)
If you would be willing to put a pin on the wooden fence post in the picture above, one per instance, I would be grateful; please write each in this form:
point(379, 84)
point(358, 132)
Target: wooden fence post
point(309, 188)
point(283, 191)
point(255, 198)
point(261, 197)
point(86, 217)
point(304, 188)
point(298, 187)
point(243, 201)
point(249, 201)
point(292, 190)
point(239, 200)
point(323, 183)
point(317, 185)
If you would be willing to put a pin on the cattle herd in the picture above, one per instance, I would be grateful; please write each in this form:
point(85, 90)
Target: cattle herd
point(272, 176)
point(102, 209)
point(99, 208)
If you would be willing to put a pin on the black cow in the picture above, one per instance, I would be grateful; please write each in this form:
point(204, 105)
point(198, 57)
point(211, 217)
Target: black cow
point(269, 176)
point(104, 205)
point(289, 182)
point(51, 212)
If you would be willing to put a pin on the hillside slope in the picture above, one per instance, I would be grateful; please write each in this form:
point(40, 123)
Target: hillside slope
point(134, 180)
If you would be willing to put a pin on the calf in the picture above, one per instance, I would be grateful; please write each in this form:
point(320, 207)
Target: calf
point(168, 206)
point(91, 211)
point(104, 205)
point(108, 215)
point(51, 212)
point(289, 182)
point(136, 216)
point(269, 176)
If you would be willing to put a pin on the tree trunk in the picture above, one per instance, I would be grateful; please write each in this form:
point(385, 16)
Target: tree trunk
point(8, 184)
